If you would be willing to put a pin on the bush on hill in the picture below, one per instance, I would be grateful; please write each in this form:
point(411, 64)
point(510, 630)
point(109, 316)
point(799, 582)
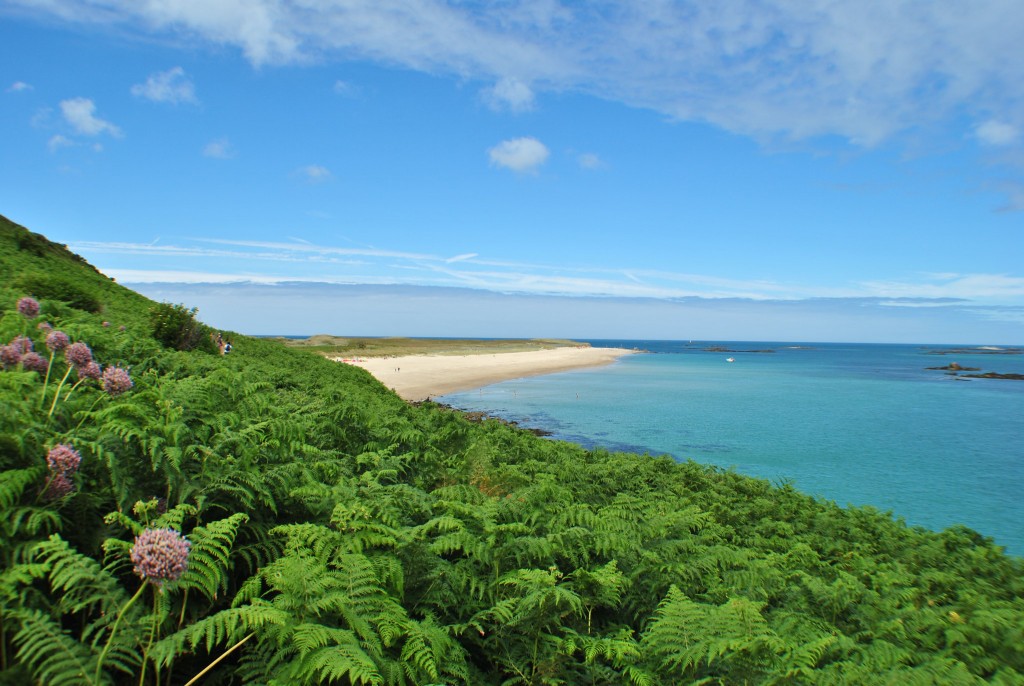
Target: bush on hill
point(175, 326)
point(273, 517)
point(58, 288)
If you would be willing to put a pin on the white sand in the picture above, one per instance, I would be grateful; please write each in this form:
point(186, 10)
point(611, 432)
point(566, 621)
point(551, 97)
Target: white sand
point(418, 377)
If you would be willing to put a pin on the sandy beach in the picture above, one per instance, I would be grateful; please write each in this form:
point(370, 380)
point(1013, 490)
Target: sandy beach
point(418, 377)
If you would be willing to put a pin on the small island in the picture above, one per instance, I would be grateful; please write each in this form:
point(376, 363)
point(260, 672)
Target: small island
point(956, 370)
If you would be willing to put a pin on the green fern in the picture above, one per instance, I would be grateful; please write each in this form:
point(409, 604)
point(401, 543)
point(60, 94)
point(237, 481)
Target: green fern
point(209, 560)
point(51, 654)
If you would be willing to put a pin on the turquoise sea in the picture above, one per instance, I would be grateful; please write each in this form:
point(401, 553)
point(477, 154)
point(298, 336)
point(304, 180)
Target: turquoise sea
point(854, 423)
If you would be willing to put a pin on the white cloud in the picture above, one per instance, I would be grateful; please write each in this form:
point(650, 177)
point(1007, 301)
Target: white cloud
point(315, 173)
point(80, 113)
point(589, 160)
point(171, 86)
point(982, 287)
point(997, 133)
point(519, 154)
point(509, 94)
point(864, 71)
point(57, 142)
point(343, 88)
point(300, 260)
point(19, 87)
point(219, 149)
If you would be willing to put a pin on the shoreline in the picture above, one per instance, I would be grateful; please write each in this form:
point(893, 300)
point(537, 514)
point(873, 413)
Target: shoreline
point(421, 377)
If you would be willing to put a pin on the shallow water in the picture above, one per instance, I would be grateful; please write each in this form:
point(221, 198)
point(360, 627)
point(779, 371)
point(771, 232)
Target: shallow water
point(857, 424)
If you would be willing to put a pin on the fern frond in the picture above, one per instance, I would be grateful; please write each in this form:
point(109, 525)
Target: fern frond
point(209, 559)
point(50, 653)
point(13, 483)
point(82, 581)
point(340, 662)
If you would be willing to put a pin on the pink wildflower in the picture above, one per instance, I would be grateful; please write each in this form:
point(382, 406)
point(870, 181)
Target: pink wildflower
point(78, 354)
point(23, 344)
point(9, 356)
point(160, 555)
point(57, 341)
point(34, 362)
point(45, 326)
point(63, 459)
point(116, 381)
point(90, 371)
point(106, 324)
point(58, 487)
point(28, 307)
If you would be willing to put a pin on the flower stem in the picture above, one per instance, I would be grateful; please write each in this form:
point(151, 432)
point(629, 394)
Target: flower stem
point(152, 634)
point(113, 630)
point(57, 396)
point(213, 664)
point(46, 382)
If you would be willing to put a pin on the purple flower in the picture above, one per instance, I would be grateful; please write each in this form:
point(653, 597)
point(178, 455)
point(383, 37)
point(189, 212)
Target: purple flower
point(34, 362)
point(44, 326)
point(23, 344)
point(57, 341)
point(160, 554)
point(122, 327)
point(78, 354)
point(63, 459)
point(9, 356)
point(58, 486)
point(106, 324)
point(116, 381)
point(89, 371)
point(28, 307)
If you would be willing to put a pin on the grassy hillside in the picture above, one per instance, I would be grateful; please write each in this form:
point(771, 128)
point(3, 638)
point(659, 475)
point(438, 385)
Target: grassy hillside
point(270, 517)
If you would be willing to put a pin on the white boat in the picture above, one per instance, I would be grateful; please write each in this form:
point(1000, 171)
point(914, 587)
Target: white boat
point(730, 359)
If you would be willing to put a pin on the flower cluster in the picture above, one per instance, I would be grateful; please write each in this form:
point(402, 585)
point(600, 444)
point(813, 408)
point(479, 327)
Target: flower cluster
point(57, 341)
point(28, 307)
point(78, 354)
point(12, 353)
point(90, 371)
point(23, 344)
point(58, 486)
point(160, 555)
point(34, 362)
point(62, 458)
point(63, 461)
point(116, 381)
point(10, 356)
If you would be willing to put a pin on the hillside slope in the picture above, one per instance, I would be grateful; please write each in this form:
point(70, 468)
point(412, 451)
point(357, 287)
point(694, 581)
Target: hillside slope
point(278, 518)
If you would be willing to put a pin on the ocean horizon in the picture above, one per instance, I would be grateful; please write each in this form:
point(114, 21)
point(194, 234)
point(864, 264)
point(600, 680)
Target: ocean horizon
point(889, 426)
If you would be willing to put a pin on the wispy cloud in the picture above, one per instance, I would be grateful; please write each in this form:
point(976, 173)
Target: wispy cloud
point(19, 87)
point(80, 113)
point(985, 287)
point(57, 142)
point(509, 94)
point(301, 260)
point(795, 69)
point(314, 173)
point(592, 161)
point(219, 149)
point(519, 154)
point(997, 133)
point(172, 86)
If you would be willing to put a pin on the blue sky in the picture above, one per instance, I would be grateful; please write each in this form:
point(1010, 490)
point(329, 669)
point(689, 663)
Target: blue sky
point(760, 170)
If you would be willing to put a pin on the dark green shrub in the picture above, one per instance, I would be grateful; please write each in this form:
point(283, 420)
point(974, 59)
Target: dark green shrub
point(49, 287)
point(175, 326)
